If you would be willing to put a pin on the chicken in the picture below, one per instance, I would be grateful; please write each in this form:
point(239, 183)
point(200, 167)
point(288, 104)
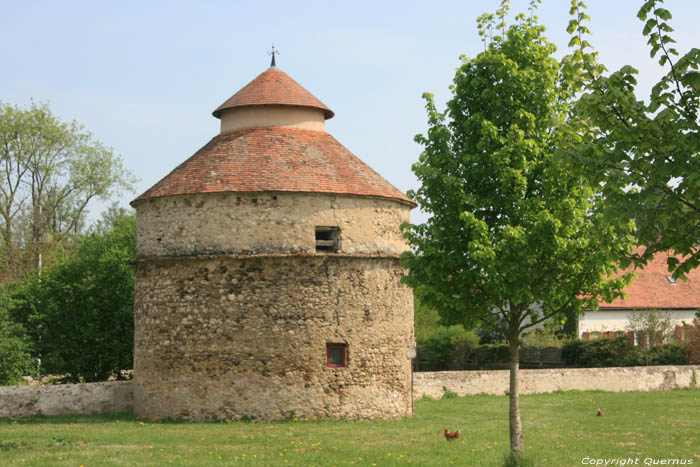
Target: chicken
point(600, 413)
point(450, 436)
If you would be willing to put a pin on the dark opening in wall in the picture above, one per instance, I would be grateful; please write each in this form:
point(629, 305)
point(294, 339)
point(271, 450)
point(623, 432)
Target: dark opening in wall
point(336, 355)
point(327, 239)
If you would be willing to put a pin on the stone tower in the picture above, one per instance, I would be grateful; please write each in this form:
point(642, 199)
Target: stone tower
point(268, 273)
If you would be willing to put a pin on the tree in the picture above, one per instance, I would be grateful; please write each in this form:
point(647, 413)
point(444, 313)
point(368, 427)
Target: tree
point(79, 312)
point(425, 319)
point(644, 155)
point(515, 238)
point(653, 327)
point(49, 172)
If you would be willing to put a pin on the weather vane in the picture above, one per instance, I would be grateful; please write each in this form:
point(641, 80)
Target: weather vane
point(273, 52)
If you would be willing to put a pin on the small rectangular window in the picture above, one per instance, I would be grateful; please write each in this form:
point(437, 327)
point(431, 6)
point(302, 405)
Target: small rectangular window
point(335, 355)
point(327, 239)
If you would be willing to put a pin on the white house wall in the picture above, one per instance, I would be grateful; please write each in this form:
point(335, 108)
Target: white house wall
point(603, 321)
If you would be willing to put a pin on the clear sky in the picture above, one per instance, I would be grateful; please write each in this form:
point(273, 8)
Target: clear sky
point(144, 76)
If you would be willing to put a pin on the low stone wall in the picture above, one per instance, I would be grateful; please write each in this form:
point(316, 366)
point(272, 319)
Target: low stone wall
point(25, 401)
point(117, 396)
point(641, 378)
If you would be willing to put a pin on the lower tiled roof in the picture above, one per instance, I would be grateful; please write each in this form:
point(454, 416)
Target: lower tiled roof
point(274, 159)
point(652, 289)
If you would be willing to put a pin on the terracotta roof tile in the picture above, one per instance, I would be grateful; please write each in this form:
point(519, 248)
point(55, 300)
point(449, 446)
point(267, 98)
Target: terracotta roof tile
point(274, 159)
point(652, 289)
point(275, 87)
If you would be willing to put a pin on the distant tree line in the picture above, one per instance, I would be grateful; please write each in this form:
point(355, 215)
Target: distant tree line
point(66, 290)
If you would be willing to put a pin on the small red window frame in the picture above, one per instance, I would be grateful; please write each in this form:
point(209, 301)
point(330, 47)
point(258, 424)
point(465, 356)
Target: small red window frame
point(343, 355)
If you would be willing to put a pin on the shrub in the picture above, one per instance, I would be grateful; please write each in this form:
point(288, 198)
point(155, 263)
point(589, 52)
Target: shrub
point(493, 356)
point(15, 358)
point(601, 353)
point(445, 348)
point(545, 338)
point(668, 354)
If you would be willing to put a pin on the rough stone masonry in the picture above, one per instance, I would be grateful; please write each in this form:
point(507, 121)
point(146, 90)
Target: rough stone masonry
point(241, 330)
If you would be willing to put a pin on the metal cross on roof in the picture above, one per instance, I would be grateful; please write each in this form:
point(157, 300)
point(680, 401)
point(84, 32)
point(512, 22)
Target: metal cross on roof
point(273, 52)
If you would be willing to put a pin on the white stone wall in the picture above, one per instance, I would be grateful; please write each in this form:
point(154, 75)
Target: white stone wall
point(25, 401)
point(263, 223)
point(619, 379)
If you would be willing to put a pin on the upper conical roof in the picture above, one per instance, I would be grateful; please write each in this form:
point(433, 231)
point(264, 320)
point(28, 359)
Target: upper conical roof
point(273, 87)
point(274, 158)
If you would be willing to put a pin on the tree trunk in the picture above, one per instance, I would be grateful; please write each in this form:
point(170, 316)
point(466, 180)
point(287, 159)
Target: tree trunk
point(516, 426)
point(37, 232)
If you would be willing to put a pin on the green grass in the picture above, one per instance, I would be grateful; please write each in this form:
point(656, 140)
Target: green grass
point(560, 430)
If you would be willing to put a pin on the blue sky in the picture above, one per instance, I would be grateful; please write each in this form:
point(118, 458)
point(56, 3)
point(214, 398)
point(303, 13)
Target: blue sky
point(144, 76)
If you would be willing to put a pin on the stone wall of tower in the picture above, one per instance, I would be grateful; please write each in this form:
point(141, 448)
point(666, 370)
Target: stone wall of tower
point(263, 223)
point(234, 307)
point(222, 337)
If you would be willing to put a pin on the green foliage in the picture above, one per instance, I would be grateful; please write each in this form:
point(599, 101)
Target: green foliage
point(80, 311)
point(545, 338)
point(668, 354)
point(445, 348)
point(644, 155)
point(15, 358)
point(448, 394)
point(511, 227)
point(50, 171)
point(7, 445)
point(425, 320)
point(653, 326)
point(514, 238)
point(599, 353)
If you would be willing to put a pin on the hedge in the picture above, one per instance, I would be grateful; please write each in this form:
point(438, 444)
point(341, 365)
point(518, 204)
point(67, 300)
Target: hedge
point(457, 350)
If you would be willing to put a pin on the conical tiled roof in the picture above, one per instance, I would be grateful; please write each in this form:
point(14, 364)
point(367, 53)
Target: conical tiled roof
point(274, 159)
point(275, 87)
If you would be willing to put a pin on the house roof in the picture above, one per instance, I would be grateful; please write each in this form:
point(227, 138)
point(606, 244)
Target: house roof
point(273, 87)
point(275, 159)
point(651, 288)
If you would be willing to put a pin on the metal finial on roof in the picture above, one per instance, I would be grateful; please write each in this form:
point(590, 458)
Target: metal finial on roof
point(273, 52)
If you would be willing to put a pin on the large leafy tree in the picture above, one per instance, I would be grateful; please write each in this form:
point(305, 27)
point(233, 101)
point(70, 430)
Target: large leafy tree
point(645, 155)
point(514, 238)
point(49, 171)
point(79, 312)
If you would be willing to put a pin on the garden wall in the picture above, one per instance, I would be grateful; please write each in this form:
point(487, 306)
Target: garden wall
point(117, 396)
point(25, 401)
point(618, 379)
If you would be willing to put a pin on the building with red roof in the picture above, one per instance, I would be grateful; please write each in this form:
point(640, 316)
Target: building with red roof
point(653, 288)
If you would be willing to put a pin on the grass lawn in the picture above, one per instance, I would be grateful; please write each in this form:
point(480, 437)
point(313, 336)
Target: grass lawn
point(561, 429)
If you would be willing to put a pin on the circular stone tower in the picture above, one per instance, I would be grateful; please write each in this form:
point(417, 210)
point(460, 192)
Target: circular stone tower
point(268, 273)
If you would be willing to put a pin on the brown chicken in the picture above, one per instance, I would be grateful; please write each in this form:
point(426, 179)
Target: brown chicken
point(600, 413)
point(450, 436)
